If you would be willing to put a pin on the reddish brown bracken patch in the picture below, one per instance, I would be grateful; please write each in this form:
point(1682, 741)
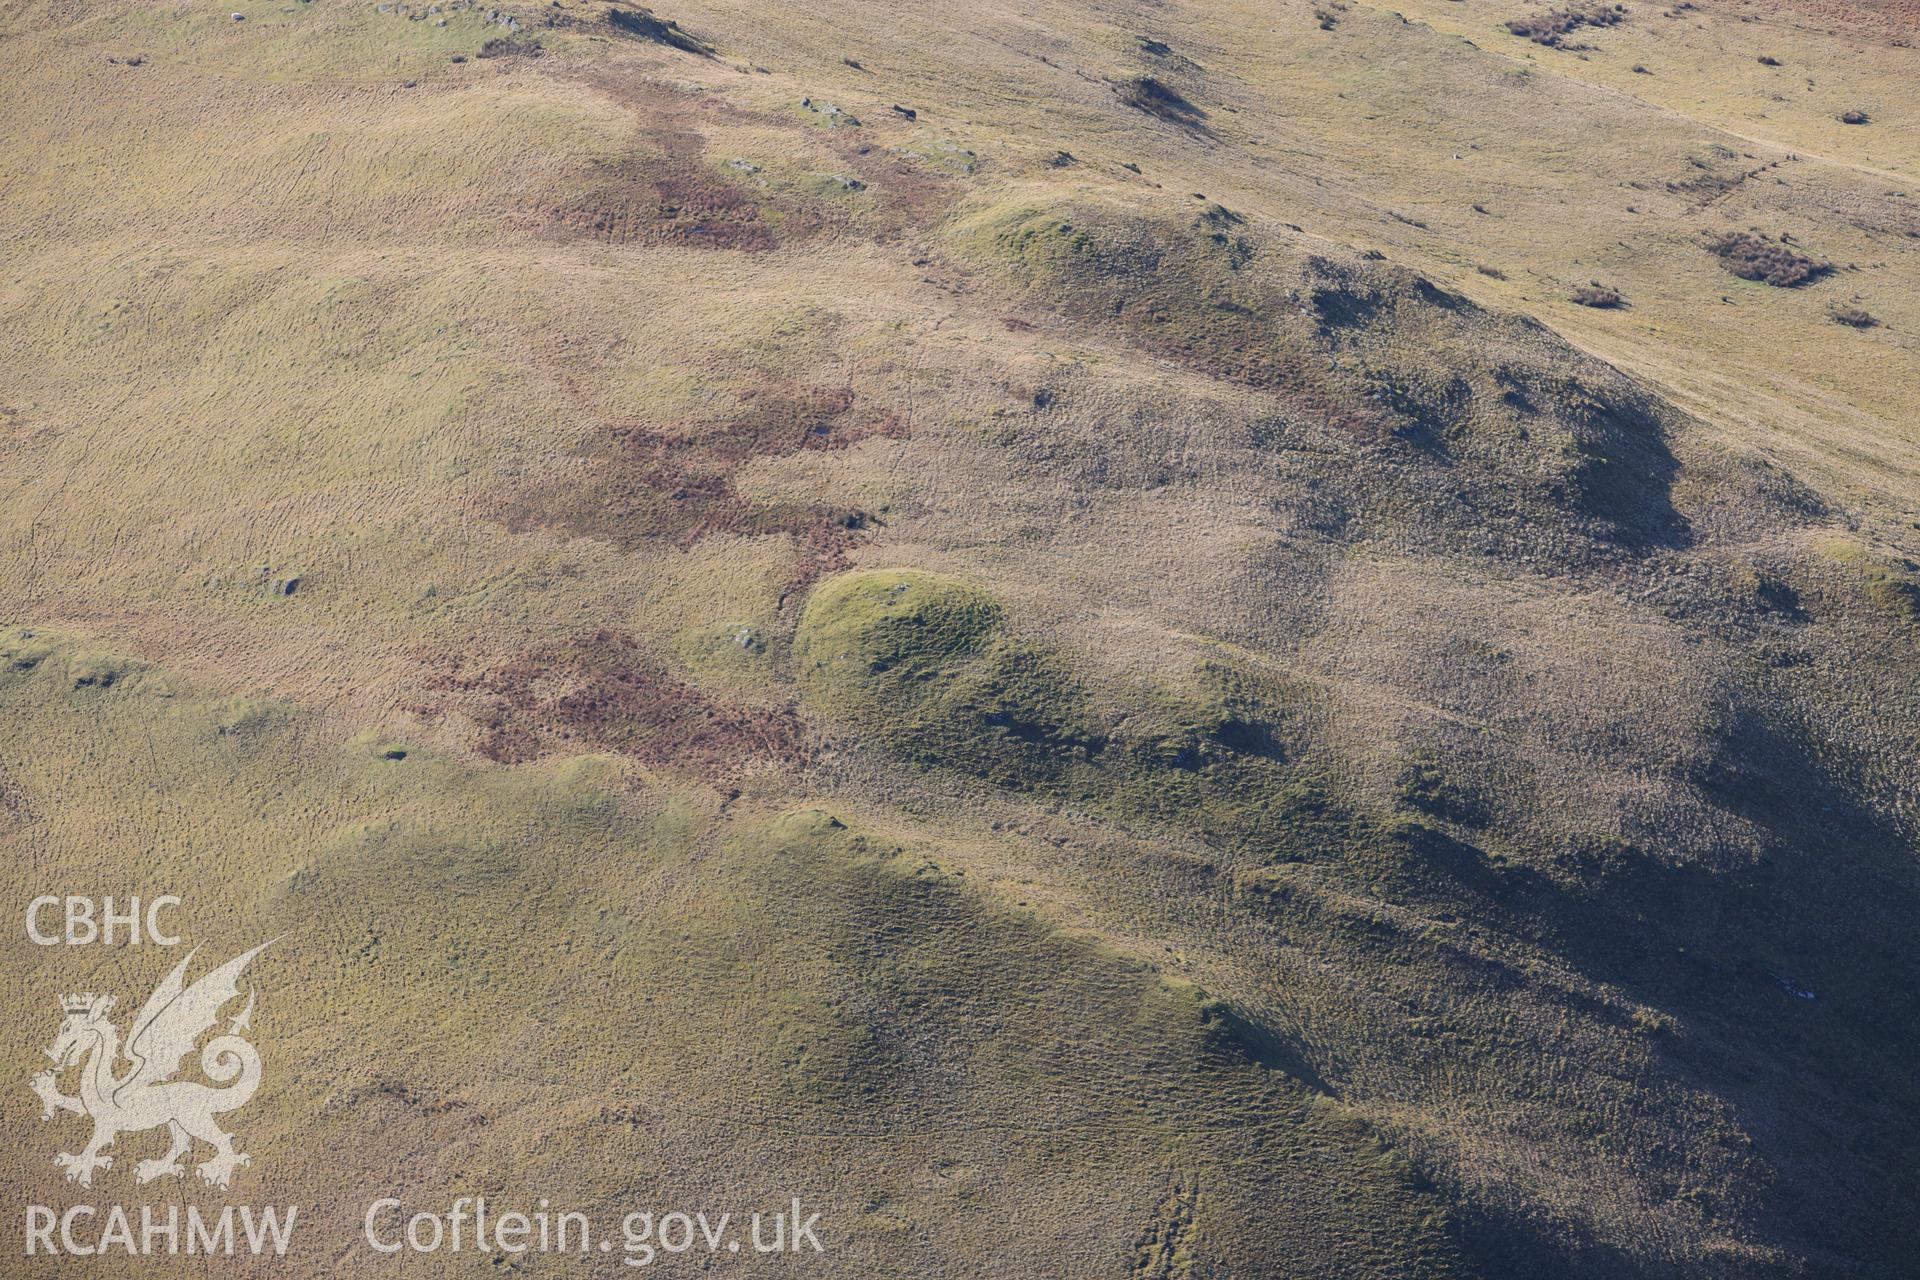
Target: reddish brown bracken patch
point(666, 190)
point(602, 690)
point(666, 194)
point(644, 484)
point(1894, 21)
point(670, 189)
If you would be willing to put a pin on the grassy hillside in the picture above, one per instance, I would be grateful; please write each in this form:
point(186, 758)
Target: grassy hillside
point(1154, 640)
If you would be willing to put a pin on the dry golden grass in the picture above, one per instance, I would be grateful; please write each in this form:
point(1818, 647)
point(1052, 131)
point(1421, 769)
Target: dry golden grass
point(1411, 757)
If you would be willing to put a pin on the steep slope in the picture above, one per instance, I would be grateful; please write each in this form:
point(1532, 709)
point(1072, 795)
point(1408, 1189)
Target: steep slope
point(1053, 630)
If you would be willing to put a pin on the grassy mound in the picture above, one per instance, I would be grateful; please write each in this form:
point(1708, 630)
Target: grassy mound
point(827, 1009)
point(930, 670)
point(926, 664)
point(1541, 435)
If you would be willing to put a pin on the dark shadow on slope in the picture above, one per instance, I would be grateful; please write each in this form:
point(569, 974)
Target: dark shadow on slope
point(1792, 986)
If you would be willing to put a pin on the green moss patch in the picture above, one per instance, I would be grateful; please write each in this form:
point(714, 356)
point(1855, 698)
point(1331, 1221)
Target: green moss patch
point(925, 663)
point(1891, 586)
point(930, 670)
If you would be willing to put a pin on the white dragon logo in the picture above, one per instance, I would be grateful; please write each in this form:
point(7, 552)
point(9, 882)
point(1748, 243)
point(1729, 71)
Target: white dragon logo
point(146, 1095)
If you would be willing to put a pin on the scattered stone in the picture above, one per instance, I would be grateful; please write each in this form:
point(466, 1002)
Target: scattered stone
point(1063, 160)
point(238, 17)
point(1855, 117)
point(1755, 257)
point(1550, 29)
point(509, 47)
point(642, 23)
point(1144, 93)
point(944, 152)
point(908, 112)
point(836, 118)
